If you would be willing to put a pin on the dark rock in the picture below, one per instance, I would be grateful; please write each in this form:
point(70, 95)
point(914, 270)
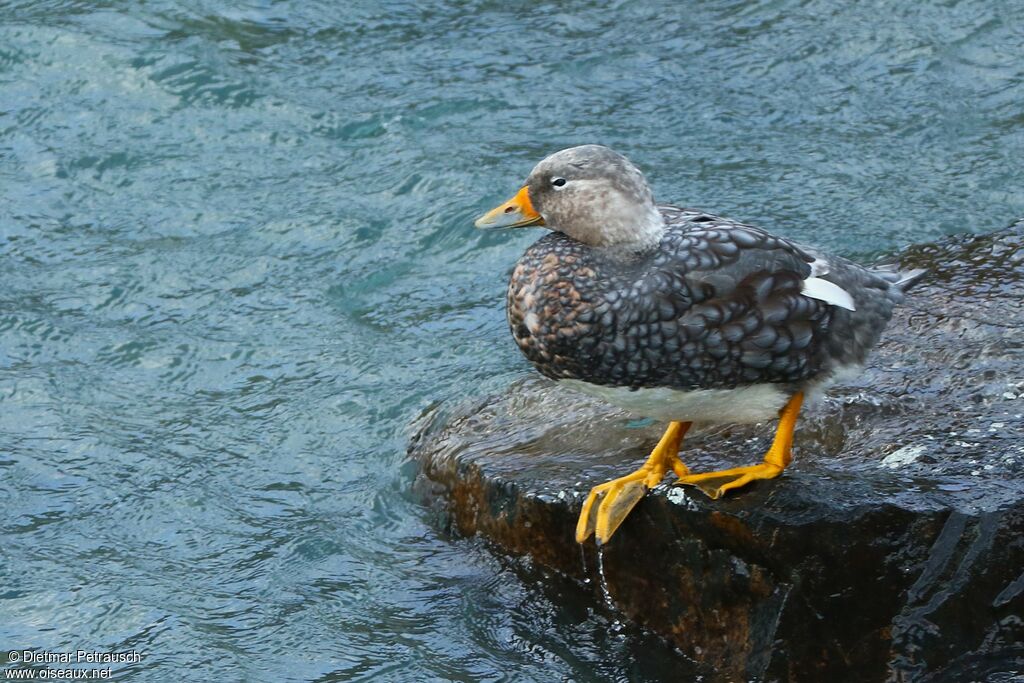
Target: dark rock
point(891, 550)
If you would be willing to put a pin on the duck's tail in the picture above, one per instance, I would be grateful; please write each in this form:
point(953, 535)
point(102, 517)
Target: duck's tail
point(909, 278)
point(902, 280)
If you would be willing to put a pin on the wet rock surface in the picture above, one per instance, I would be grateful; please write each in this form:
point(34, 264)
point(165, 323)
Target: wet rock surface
point(891, 550)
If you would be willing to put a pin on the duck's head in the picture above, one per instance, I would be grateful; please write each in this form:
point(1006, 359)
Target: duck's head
point(590, 193)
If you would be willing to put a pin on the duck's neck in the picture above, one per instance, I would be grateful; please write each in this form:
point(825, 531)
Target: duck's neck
point(631, 233)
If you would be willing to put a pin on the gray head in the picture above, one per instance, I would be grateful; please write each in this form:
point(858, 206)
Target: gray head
point(591, 193)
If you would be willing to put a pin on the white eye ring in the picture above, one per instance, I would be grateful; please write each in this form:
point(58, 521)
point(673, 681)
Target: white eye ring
point(558, 183)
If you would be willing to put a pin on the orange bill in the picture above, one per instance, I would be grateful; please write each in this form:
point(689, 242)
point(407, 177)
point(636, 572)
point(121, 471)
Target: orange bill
point(517, 212)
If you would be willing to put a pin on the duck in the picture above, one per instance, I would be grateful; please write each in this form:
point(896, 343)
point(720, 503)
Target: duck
point(679, 315)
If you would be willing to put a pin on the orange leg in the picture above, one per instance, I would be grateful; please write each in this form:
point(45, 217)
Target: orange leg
point(619, 496)
point(775, 460)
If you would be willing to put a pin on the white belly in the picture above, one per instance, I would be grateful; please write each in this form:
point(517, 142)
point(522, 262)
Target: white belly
point(754, 403)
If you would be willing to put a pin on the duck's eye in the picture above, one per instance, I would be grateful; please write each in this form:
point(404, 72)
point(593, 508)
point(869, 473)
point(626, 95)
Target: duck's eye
point(558, 182)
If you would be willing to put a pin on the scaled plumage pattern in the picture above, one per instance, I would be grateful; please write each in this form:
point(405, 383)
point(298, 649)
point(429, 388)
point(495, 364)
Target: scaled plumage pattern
point(678, 314)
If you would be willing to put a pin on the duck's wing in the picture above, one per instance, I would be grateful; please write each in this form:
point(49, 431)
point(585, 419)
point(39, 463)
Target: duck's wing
point(771, 287)
point(720, 255)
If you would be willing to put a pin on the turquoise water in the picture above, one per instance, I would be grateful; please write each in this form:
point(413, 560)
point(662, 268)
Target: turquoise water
point(238, 264)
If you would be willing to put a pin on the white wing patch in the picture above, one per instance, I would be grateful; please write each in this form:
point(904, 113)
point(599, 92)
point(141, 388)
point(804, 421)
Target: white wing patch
point(830, 293)
point(819, 266)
